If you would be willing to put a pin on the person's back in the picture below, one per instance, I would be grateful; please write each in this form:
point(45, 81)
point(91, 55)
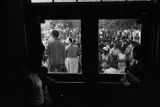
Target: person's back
point(72, 51)
point(136, 68)
point(57, 52)
point(72, 57)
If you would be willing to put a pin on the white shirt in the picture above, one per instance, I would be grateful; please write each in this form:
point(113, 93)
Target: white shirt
point(106, 48)
point(122, 56)
point(112, 71)
point(114, 51)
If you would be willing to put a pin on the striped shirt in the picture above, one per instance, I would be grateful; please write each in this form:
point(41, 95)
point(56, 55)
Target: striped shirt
point(72, 51)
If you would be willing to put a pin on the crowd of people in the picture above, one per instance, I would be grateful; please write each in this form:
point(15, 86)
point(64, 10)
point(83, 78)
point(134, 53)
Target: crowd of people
point(63, 48)
point(116, 51)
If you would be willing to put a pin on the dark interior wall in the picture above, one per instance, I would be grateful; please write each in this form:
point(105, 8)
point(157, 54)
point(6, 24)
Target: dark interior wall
point(14, 22)
point(15, 50)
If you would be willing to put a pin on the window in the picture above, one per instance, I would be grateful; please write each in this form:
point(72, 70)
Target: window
point(64, 0)
point(113, 0)
point(77, 13)
point(117, 40)
point(124, 0)
point(41, 1)
point(138, 0)
point(62, 55)
point(50, 1)
point(89, 0)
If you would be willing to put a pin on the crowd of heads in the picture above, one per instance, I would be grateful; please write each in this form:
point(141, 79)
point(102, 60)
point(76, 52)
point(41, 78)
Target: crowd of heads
point(119, 40)
point(127, 44)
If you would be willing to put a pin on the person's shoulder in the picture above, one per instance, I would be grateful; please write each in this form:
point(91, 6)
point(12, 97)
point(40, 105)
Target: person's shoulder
point(50, 42)
point(75, 46)
point(61, 43)
point(111, 49)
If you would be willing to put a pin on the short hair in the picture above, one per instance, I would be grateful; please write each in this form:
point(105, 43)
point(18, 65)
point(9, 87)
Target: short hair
point(70, 39)
point(55, 33)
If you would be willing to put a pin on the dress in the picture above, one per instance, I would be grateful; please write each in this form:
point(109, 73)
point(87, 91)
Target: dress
point(71, 61)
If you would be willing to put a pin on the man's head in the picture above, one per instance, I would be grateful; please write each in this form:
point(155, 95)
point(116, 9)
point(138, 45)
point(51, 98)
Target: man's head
point(55, 34)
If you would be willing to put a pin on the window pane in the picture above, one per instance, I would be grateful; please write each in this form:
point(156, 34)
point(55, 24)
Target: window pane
point(138, 0)
point(41, 1)
point(89, 0)
point(119, 45)
point(113, 0)
point(126, 0)
point(63, 48)
point(64, 0)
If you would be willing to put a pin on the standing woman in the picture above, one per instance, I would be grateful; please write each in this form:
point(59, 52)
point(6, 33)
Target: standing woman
point(71, 61)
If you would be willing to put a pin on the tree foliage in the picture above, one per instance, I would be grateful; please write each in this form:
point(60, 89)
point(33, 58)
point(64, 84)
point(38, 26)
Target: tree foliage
point(119, 24)
point(67, 23)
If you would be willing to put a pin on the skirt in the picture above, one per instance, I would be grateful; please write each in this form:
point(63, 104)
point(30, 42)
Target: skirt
point(72, 65)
